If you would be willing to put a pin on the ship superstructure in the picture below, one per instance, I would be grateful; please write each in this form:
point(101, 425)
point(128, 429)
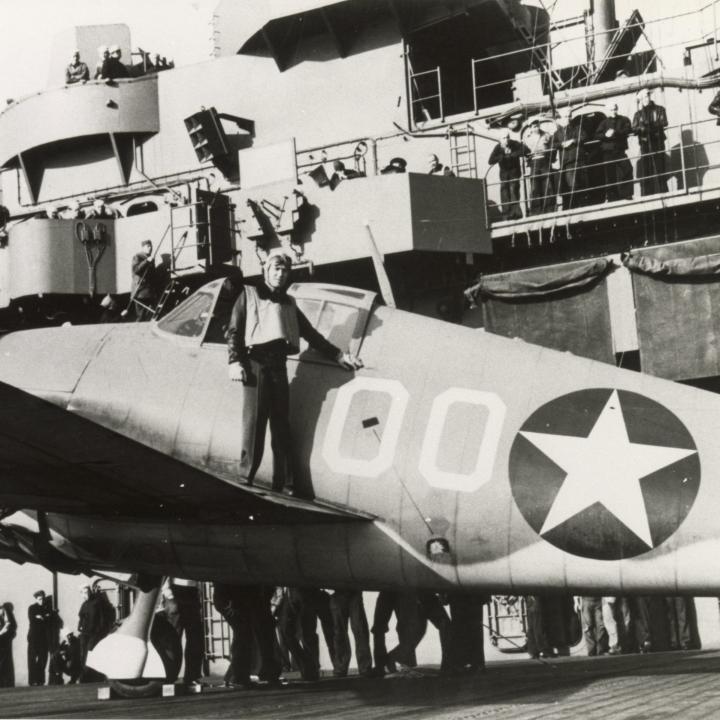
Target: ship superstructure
point(313, 129)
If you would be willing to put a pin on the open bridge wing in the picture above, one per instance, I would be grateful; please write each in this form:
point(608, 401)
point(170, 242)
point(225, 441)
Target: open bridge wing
point(53, 460)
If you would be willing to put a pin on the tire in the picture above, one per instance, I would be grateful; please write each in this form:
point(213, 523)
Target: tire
point(134, 689)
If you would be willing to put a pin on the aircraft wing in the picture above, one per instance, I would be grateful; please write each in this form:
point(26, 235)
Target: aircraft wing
point(53, 460)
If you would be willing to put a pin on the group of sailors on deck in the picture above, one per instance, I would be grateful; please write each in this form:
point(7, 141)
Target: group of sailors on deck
point(110, 66)
point(582, 162)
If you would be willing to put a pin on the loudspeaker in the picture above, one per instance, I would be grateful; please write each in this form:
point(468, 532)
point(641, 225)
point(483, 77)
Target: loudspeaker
point(207, 135)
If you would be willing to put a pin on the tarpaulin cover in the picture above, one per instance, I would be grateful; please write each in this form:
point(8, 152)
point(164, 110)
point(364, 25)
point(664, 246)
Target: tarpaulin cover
point(697, 266)
point(677, 301)
point(564, 307)
point(540, 283)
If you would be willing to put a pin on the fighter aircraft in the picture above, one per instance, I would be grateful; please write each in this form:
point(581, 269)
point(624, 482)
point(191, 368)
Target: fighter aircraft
point(453, 459)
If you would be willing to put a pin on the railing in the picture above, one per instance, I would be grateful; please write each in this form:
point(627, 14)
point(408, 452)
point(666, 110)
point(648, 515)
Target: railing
point(434, 99)
point(650, 176)
point(355, 150)
point(649, 28)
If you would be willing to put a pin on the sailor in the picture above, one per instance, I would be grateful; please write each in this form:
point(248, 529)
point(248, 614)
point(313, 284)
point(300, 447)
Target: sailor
point(435, 167)
point(714, 107)
point(467, 650)
point(231, 602)
point(649, 123)
point(297, 624)
point(596, 636)
point(77, 71)
point(542, 182)
point(103, 55)
point(347, 606)
point(89, 623)
point(8, 630)
point(112, 67)
point(142, 289)
point(39, 618)
point(612, 132)
point(73, 211)
point(396, 165)
point(181, 599)
point(265, 327)
point(100, 210)
point(507, 154)
point(572, 161)
point(616, 616)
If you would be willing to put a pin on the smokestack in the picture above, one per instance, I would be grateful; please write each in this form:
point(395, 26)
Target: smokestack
point(604, 22)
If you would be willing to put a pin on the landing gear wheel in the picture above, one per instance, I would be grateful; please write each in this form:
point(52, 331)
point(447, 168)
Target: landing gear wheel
point(134, 689)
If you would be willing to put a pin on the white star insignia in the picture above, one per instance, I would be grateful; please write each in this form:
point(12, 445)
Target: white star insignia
point(604, 467)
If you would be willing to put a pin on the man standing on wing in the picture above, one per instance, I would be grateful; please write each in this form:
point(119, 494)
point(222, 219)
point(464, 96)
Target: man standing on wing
point(265, 327)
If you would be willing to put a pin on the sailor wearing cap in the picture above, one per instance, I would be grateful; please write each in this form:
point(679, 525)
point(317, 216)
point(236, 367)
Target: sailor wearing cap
point(112, 67)
point(612, 132)
point(265, 327)
point(38, 638)
point(508, 154)
point(76, 71)
point(396, 165)
point(103, 55)
point(649, 123)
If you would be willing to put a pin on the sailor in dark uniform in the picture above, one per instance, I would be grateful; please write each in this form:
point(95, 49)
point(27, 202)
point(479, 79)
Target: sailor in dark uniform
point(649, 123)
point(612, 132)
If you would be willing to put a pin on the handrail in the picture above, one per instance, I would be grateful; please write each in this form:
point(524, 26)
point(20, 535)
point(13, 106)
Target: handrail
point(684, 172)
point(508, 81)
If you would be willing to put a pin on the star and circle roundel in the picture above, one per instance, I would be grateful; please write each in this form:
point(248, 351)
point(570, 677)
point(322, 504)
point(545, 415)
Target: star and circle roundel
point(603, 473)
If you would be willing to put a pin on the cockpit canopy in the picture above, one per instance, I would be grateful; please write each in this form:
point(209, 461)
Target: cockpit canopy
point(339, 313)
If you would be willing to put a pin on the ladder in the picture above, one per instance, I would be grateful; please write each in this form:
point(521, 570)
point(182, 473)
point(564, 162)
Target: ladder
point(167, 293)
point(216, 631)
point(540, 57)
point(463, 156)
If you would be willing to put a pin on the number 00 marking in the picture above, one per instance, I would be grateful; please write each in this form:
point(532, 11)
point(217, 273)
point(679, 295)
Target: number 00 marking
point(487, 443)
point(366, 467)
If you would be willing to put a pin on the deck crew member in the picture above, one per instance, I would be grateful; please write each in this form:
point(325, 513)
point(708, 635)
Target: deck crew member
point(596, 637)
point(542, 182)
point(297, 623)
point(247, 610)
point(103, 55)
point(265, 327)
point(616, 616)
point(77, 71)
point(38, 617)
point(347, 606)
point(112, 67)
point(8, 630)
point(90, 625)
point(142, 290)
point(572, 163)
point(435, 167)
point(649, 122)
point(100, 210)
point(506, 154)
point(181, 600)
point(612, 132)
point(467, 649)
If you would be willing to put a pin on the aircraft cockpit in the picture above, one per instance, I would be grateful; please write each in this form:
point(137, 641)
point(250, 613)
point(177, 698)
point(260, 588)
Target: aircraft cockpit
point(337, 312)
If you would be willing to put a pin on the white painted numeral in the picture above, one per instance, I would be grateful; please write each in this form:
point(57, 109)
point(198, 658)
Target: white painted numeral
point(383, 460)
point(487, 444)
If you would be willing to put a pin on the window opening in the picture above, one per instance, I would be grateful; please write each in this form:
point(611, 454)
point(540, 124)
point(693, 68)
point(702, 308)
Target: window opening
point(190, 318)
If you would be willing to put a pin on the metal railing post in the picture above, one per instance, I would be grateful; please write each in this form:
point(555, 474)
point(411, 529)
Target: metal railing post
point(682, 160)
point(474, 82)
point(440, 95)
